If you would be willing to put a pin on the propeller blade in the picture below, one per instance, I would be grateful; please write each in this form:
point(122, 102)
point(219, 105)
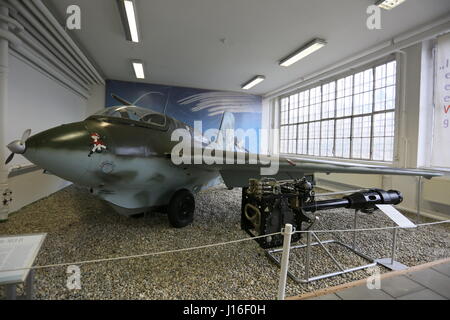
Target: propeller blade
point(9, 159)
point(11, 145)
point(26, 134)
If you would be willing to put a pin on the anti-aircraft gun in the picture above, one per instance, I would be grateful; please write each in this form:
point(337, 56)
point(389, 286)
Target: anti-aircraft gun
point(268, 204)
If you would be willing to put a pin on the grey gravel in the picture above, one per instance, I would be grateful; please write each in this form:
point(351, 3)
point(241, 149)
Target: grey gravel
point(82, 227)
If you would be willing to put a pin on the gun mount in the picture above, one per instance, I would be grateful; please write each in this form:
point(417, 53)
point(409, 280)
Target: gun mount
point(268, 204)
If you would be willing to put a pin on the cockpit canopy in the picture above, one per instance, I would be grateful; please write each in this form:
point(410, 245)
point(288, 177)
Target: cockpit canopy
point(135, 114)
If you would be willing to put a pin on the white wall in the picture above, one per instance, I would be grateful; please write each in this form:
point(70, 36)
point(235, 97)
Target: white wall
point(265, 128)
point(39, 103)
point(96, 101)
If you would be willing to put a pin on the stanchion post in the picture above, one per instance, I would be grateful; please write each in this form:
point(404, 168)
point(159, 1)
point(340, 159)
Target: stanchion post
point(11, 292)
point(29, 287)
point(355, 224)
point(287, 232)
point(419, 198)
point(308, 255)
point(394, 245)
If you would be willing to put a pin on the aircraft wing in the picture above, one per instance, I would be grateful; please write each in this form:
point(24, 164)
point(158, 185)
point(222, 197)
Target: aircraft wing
point(292, 167)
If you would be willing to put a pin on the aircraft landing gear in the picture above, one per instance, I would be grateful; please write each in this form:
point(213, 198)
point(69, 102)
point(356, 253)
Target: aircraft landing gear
point(181, 209)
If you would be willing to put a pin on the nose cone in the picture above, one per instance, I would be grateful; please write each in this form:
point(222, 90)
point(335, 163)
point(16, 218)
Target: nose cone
point(63, 151)
point(16, 146)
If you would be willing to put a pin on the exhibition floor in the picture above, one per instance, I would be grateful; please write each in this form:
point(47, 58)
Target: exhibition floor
point(81, 227)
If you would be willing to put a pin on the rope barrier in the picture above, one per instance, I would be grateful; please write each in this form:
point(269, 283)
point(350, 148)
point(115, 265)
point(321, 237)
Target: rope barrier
point(208, 246)
point(433, 223)
point(140, 255)
point(371, 229)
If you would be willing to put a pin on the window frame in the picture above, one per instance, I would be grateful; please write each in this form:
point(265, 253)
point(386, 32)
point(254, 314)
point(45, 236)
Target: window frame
point(342, 75)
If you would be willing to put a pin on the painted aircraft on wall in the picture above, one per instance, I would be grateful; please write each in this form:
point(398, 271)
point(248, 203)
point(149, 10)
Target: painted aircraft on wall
point(123, 155)
point(190, 104)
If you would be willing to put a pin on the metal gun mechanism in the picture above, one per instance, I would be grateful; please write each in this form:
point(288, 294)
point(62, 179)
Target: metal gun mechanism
point(268, 204)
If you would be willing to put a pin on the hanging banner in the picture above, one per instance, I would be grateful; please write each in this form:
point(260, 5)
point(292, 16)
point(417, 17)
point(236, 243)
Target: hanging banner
point(441, 129)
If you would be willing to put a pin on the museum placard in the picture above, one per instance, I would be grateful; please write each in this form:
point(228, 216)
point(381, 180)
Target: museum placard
point(18, 253)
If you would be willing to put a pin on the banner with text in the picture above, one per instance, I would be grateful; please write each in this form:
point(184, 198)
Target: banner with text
point(441, 129)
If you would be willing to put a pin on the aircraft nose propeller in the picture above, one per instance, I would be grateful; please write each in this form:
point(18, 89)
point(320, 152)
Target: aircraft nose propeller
point(18, 146)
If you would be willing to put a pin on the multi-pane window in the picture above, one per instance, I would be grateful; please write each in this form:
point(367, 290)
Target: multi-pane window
point(352, 117)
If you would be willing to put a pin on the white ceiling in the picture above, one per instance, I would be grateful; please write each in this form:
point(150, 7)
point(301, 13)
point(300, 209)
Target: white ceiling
point(181, 39)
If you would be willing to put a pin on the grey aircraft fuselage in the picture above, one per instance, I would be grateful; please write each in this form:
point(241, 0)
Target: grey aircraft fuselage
point(133, 171)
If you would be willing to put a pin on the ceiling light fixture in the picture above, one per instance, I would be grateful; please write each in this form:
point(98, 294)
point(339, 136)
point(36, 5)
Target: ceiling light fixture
point(129, 19)
point(138, 68)
point(389, 4)
point(253, 82)
point(304, 51)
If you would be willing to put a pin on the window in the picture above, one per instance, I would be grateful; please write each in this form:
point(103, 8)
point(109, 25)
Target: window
point(352, 117)
point(154, 118)
point(136, 114)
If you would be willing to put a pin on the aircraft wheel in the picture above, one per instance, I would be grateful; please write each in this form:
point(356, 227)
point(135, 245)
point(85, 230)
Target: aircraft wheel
point(181, 209)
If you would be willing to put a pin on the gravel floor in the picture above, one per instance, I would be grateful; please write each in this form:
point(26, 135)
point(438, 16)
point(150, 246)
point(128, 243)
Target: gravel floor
point(81, 227)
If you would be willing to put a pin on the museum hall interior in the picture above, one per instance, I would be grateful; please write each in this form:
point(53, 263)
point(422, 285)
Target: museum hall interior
point(191, 150)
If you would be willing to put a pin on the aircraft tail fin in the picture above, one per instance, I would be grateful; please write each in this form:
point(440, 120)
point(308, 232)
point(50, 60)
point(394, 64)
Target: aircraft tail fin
point(229, 143)
point(226, 124)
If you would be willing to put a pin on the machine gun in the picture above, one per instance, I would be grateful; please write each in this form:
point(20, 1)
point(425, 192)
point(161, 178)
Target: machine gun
point(268, 204)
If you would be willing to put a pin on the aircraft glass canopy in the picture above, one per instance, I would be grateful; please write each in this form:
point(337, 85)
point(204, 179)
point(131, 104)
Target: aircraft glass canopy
point(133, 113)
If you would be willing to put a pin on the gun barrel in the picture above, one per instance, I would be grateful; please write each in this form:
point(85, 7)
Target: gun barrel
point(364, 201)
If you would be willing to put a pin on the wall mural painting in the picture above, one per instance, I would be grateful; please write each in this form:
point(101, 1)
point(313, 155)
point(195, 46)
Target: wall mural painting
point(189, 104)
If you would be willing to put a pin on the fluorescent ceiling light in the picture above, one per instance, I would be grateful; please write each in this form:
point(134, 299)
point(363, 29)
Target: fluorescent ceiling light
point(306, 50)
point(389, 4)
point(138, 67)
point(129, 14)
point(253, 82)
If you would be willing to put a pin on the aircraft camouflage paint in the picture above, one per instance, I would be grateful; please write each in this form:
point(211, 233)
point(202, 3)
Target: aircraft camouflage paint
point(123, 154)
